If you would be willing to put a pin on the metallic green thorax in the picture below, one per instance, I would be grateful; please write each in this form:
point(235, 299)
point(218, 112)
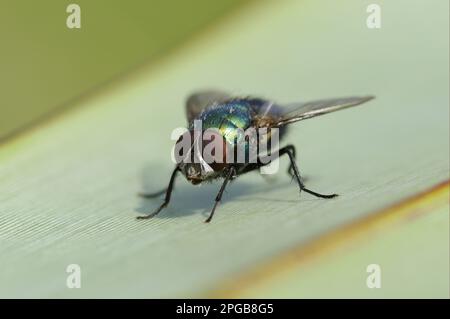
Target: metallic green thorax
point(227, 118)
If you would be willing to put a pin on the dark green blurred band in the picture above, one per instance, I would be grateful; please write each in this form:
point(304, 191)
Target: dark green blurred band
point(44, 64)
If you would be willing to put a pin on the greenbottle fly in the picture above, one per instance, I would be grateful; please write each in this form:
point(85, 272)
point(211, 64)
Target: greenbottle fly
point(228, 114)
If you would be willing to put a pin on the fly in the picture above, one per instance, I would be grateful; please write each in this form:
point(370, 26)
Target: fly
point(227, 115)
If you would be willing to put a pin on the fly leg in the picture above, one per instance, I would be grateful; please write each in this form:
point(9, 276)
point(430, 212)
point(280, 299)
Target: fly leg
point(290, 169)
point(166, 199)
point(228, 177)
point(290, 151)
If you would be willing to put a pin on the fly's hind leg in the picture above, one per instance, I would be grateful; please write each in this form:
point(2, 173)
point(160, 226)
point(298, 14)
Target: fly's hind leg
point(293, 170)
point(290, 151)
point(290, 170)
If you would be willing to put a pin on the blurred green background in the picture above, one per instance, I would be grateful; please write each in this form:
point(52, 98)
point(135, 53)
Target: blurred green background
point(45, 65)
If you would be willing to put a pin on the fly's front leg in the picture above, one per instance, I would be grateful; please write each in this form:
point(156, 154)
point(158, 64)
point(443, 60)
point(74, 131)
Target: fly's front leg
point(228, 177)
point(166, 199)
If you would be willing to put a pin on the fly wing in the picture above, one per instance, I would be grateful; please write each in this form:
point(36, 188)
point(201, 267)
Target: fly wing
point(302, 111)
point(198, 101)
